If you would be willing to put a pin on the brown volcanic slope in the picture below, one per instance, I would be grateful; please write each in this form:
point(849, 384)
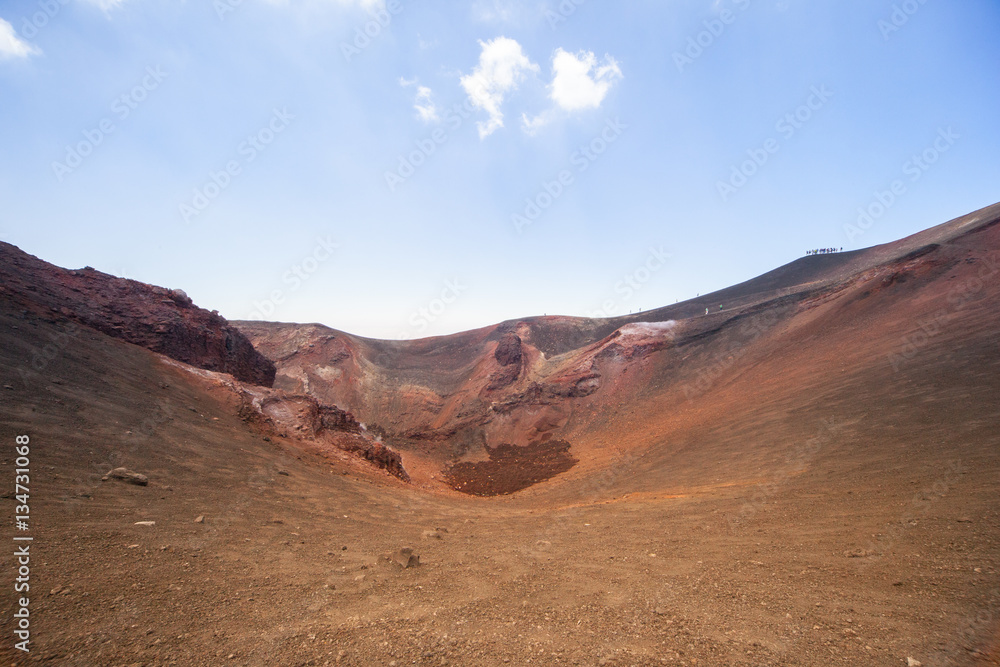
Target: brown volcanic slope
point(158, 319)
point(450, 401)
point(808, 477)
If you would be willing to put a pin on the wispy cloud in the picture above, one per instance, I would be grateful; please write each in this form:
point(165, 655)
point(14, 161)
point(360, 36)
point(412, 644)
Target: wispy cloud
point(425, 106)
point(495, 11)
point(502, 67)
point(12, 46)
point(369, 5)
point(107, 5)
point(427, 110)
point(532, 124)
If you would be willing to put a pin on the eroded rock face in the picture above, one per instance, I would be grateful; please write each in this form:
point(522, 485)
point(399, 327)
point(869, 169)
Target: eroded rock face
point(508, 350)
point(376, 453)
point(158, 319)
point(504, 377)
point(302, 417)
point(511, 358)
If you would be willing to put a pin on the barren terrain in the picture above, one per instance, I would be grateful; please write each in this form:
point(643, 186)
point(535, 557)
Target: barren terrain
point(806, 476)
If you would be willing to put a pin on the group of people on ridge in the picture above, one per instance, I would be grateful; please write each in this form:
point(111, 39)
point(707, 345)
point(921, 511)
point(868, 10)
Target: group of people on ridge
point(823, 251)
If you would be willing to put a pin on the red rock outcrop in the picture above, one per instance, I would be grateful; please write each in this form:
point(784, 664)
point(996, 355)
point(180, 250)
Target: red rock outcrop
point(303, 418)
point(508, 350)
point(158, 319)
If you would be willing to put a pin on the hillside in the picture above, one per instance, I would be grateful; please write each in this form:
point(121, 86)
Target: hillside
point(450, 401)
point(807, 477)
point(159, 319)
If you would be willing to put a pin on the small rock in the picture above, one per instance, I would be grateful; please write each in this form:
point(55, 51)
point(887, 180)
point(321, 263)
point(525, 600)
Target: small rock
point(859, 553)
point(9, 386)
point(910, 662)
point(145, 523)
point(431, 535)
point(200, 519)
point(965, 519)
point(129, 476)
point(283, 472)
point(406, 558)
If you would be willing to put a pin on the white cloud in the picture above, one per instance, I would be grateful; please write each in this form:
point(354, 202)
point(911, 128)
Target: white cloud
point(424, 102)
point(502, 66)
point(531, 124)
point(12, 46)
point(425, 106)
point(579, 81)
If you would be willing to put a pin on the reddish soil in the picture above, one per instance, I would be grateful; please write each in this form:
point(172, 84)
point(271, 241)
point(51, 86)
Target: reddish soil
point(808, 477)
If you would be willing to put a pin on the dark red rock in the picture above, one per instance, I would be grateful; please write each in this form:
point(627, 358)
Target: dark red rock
point(304, 418)
point(377, 453)
point(158, 319)
point(504, 377)
point(508, 350)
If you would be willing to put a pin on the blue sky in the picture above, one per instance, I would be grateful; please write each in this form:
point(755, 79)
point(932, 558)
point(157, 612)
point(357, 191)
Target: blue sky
point(411, 169)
